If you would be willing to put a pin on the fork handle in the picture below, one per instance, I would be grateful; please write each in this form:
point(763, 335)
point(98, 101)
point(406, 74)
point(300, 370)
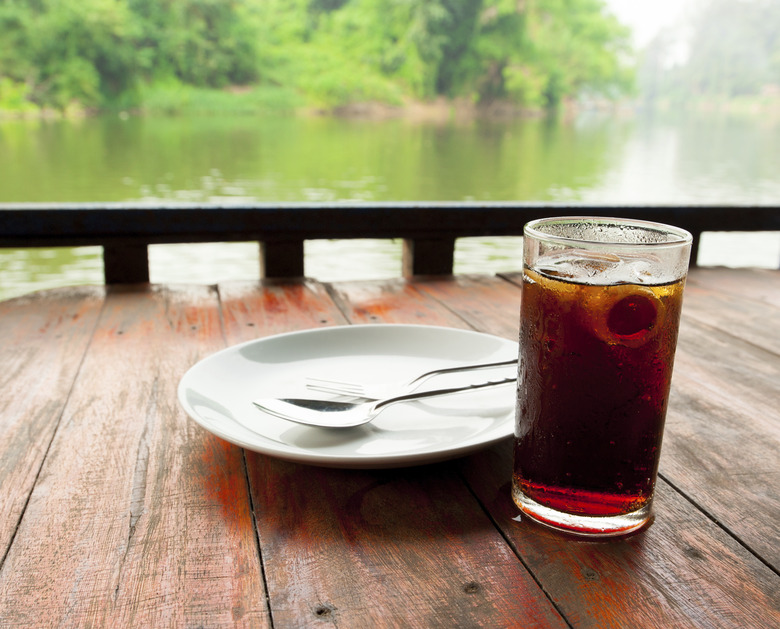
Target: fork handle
point(356, 390)
point(440, 372)
point(438, 392)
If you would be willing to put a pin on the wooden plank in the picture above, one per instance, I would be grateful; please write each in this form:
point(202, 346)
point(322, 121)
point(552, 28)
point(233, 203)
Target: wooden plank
point(745, 308)
point(655, 578)
point(754, 284)
point(486, 303)
point(139, 517)
point(257, 309)
point(682, 571)
point(44, 337)
point(392, 301)
point(722, 436)
point(723, 428)
point(386, 548)
point(374, 548)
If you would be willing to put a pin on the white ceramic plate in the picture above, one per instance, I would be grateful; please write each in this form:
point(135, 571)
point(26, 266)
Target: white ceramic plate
point(218, 391)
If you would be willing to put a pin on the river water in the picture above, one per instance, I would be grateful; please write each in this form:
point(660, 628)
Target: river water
point(595, 158)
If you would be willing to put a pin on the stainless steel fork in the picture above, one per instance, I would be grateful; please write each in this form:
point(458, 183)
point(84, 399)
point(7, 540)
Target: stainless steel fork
point(355, 389)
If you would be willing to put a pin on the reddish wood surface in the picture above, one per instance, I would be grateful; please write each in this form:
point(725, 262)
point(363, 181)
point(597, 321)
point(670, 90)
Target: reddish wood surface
point(43, 339)
point(117, 510)
point(488, 304)
point(722, 434)
point(741, 313)
point(644, 575)
point(137, 517)
point(682, 571)
point(376, 548)
point(392, 301)
point(753, 284)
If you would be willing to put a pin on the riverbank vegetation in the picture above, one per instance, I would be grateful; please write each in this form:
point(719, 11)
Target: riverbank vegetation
point(248, 55)
point(368, 56)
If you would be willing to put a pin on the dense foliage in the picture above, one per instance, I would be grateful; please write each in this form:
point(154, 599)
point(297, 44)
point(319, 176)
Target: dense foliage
point(102, 53)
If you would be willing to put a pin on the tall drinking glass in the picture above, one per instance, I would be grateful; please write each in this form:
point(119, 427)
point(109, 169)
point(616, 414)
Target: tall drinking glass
point(598, 331)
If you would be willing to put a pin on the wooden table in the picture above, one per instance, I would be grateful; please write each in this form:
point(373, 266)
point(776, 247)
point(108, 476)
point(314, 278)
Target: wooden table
point(117, 510)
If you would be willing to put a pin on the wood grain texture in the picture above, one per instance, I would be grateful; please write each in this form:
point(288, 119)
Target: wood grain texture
point(722, 436)
point(257, 309)
point(487, 303)
point(743, 311)
point(44, 338)
point(682, 571)
point(392, 301)
point(386, 548)
point(374, 548)
point(754, 284)
point(117, 510)
point(723, 454)
point(138, 518)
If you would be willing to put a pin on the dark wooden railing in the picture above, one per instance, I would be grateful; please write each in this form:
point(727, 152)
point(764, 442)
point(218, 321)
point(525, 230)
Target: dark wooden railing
point(428, 230)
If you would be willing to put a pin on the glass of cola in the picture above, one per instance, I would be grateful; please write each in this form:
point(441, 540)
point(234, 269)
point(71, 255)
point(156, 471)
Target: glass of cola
point(600, 312)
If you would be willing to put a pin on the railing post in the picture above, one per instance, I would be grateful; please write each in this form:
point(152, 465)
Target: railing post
point(283, 258)
point(428, 257)
point(126, 264)
point(695, 247)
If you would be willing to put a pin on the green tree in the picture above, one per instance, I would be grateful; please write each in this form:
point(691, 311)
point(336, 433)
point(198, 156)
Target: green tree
point(68, 51)
point(534, 53)
point(539, 52)
point(208, 43)
point(335, 52)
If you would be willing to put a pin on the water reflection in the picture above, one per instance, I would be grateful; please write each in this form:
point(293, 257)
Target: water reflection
point(298, 159)
point(591, 158)
point(26, 270)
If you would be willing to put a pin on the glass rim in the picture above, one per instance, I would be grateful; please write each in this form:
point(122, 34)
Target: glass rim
point(682, 236)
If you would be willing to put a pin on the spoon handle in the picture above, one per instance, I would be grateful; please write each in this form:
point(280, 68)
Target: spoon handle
point(426, 394)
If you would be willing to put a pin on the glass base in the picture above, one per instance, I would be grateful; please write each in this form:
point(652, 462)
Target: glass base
point(584, 525)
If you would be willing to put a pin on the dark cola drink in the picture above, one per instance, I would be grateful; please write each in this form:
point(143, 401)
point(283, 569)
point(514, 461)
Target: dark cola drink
point(597, 344)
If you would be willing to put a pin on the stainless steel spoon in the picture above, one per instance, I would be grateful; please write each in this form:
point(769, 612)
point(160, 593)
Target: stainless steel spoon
point(334, 414)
